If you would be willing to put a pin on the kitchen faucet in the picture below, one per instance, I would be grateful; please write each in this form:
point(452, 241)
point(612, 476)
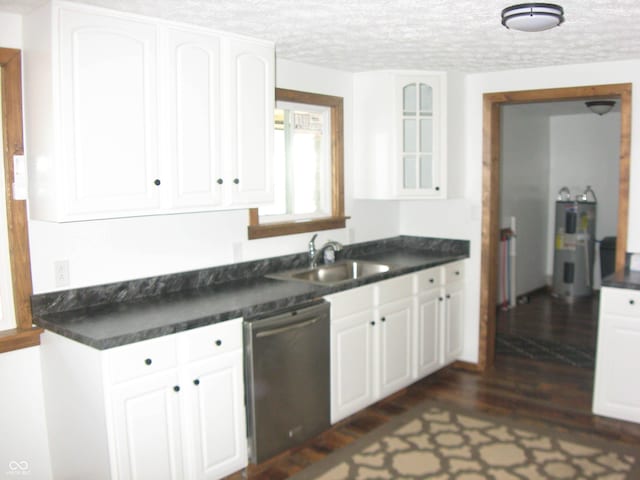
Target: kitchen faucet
point(314, 254)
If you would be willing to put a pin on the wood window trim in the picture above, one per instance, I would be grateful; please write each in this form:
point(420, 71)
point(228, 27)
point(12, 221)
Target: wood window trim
point(337, 219)
point(25, 334)
point(491, 188)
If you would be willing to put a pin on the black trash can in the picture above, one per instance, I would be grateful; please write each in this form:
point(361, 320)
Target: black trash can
point(608, 255)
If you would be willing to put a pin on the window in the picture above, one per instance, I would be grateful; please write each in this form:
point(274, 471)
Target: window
point(308, 167)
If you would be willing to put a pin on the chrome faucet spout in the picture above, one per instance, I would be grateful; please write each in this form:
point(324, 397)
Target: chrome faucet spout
point(332, 244)
point(312, 247)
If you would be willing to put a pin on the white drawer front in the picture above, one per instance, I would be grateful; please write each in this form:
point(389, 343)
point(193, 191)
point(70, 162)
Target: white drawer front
point(351, 301)
point(428, 279)
point(620, 301)
point(394, 289)
point(142, 358)
point(213, 339)
point(453, 272)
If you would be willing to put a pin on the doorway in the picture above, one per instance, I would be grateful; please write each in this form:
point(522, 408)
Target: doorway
point(491, 188)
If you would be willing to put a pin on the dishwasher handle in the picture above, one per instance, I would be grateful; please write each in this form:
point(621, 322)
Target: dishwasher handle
point(293, 326)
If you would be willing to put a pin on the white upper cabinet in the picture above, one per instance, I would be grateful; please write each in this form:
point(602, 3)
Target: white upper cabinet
point(252, 98)
point(400, 135)
point(136, 116)
point(194, 116)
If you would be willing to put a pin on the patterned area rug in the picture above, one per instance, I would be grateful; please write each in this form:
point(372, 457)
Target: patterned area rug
point(546, 351)
point(435, 442)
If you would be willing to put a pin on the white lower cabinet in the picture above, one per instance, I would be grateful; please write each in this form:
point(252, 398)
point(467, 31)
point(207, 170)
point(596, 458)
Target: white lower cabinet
point(386, 335)
point(616, 393)
point(166, 408)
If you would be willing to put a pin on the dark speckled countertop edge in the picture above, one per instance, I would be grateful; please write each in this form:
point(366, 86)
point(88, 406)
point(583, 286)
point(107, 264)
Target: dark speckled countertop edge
point(623, 279)
point(92, 325)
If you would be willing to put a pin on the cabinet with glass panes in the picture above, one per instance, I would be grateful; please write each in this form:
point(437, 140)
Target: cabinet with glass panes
point(400, 134)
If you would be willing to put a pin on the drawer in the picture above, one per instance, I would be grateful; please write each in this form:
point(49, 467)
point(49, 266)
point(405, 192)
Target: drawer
point(212, 340)
point(428, 279)
point(453, 272)
point(620, 301)
point(394, 289)
point(351, 301)
point(141, 358)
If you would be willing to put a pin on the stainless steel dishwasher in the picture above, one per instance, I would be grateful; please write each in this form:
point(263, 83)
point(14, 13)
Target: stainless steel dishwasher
point(287, 378)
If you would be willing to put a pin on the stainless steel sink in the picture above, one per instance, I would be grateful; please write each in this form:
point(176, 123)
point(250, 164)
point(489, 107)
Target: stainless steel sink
point(338, 272)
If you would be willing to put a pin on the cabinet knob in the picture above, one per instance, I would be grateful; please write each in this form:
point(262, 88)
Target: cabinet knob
point(437, 189)
point(448, 296)
point(440, 299)
point(457, 272)
point(218, 343)
point(236, 181)
point(219, 181)
point(156, 181)
point(176, 388)
point(632, 302)
point(373, 323)
point(431, 280)
point(383, 319)
point(148, 361)
point(196, 382)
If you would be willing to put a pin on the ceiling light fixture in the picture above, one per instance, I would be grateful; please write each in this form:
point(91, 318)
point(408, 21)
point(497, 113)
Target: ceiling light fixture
point(600, 106)
point(532, 17)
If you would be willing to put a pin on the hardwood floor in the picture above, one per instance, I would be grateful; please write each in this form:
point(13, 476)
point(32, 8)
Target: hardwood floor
point(534, 391)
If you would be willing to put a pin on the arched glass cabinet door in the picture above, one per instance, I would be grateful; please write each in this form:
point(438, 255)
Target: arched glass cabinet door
point(418, 137)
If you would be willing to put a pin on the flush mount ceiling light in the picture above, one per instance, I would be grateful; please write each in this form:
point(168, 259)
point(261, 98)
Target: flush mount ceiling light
point(600, 106)
point(532, 17)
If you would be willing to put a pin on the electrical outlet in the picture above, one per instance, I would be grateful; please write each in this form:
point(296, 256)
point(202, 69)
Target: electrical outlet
point(61, 273)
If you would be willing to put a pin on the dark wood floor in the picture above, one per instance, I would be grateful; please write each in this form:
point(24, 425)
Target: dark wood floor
point(533, 391)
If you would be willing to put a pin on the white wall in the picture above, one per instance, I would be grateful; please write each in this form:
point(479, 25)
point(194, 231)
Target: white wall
point(585, 150)
point(24, 432)
point(524, 192)
point(113, 250)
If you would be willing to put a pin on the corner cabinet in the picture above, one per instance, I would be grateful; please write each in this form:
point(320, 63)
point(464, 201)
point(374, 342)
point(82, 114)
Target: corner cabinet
point(400, 135)
point(137, 116)
point(616, 393)
point(171, 407)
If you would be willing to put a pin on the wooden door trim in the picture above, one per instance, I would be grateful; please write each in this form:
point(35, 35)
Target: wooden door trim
point(24, 335)
point(491, 189)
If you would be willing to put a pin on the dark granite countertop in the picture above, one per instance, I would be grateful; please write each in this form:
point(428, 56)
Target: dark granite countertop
point(117, 314)
point(623, 279)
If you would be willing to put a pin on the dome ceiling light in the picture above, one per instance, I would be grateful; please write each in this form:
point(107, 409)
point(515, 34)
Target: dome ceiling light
point(532, 17)
point(600, 106)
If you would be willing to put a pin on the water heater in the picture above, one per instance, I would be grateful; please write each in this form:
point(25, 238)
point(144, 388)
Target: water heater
point(574, 245)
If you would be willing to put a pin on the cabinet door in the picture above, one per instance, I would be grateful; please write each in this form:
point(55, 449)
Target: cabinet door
point(453, 318)
point(251, 96)
point(146, 421)
point(109, 128)
point(194, 107)
point(428, 333)
point(216, 415)
point(420, 122)
point(395, 352)
point(616, 392)
point(351, 364)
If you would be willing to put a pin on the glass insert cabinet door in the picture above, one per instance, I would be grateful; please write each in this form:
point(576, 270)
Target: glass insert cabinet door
point(418, 149)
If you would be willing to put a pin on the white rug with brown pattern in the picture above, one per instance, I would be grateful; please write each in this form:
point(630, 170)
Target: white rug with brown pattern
point(432, 441)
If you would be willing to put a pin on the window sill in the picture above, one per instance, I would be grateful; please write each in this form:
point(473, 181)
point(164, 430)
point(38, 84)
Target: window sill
point(15, 339)
point(265, 230)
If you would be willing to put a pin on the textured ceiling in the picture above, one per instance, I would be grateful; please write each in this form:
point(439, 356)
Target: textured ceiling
point(356, 35)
